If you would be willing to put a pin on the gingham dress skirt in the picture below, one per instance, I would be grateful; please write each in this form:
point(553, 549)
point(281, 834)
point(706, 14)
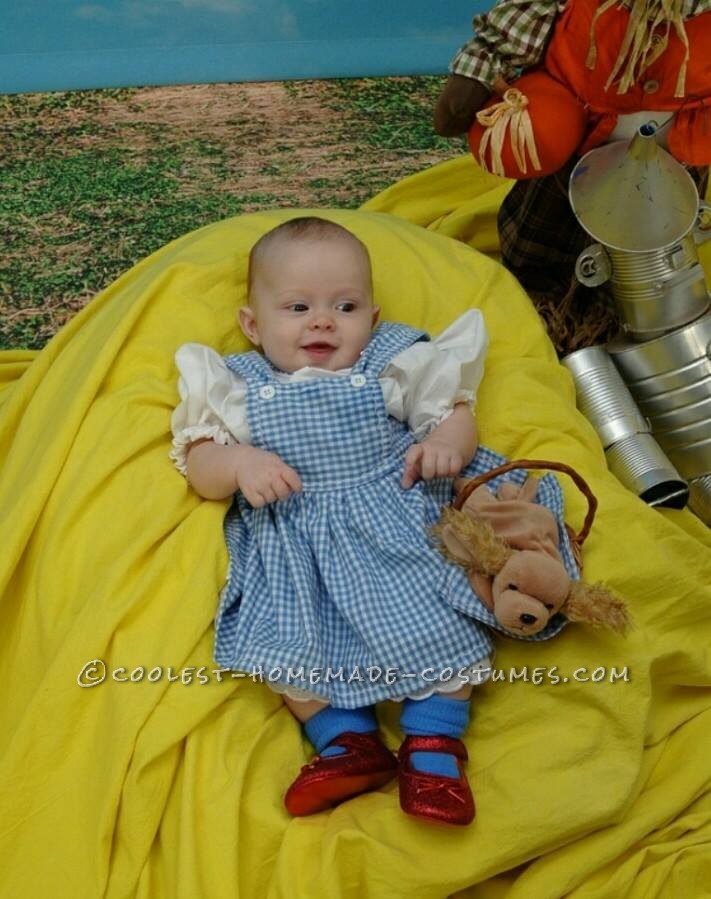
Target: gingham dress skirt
point(338, 590)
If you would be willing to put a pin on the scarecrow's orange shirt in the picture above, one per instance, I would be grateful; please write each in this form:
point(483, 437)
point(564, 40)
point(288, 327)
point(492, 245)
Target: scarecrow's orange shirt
point(690, 134)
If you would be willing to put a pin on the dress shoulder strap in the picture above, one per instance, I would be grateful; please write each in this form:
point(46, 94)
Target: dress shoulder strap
point(252, 366)
point(389, 339)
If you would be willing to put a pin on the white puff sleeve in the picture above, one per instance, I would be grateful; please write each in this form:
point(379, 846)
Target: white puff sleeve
point(213, 402)
point(422, 384)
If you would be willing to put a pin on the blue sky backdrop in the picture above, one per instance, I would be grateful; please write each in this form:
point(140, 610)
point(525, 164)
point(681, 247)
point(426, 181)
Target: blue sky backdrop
point(62, 44)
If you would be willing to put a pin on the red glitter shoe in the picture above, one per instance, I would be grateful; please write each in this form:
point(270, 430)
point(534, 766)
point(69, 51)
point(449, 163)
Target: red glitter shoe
point(327, 780)
point(435, 797)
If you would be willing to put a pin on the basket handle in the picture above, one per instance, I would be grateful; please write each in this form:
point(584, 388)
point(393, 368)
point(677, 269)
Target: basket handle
point(577, 539)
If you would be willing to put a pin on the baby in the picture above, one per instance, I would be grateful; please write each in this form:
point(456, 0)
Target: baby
point(339, 441)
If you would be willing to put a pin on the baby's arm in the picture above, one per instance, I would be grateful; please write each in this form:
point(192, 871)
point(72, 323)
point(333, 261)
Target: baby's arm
point(216, 472)
point(445, 451)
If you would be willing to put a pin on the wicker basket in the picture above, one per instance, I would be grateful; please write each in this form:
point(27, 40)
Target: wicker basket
point(576, 539)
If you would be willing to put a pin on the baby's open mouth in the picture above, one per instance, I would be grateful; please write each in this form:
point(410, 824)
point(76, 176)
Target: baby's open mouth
point(319, 348)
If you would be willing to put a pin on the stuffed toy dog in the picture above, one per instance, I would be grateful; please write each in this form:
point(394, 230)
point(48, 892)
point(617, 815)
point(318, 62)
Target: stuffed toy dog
point(508, 544)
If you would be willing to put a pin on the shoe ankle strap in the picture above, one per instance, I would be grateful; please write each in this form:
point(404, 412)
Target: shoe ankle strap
point(449, 745)
point(354, 739)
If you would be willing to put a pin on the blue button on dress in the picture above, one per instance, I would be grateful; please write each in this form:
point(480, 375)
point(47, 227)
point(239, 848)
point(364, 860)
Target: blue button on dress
point(341, 580)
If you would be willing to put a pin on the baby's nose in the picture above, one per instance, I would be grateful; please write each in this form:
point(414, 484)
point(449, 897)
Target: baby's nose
point(322, 320)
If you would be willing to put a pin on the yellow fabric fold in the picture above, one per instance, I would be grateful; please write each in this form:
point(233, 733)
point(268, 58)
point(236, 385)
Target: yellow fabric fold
point(13, 365)
point(171, 789)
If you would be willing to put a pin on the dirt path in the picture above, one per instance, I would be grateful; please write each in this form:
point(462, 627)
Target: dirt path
point(93, 181)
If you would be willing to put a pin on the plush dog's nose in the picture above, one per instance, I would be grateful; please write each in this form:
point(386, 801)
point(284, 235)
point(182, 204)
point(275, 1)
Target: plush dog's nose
point(527, 619)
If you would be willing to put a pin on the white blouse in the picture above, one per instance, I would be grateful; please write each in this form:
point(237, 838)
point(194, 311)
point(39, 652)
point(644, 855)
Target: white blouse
point(420, 386)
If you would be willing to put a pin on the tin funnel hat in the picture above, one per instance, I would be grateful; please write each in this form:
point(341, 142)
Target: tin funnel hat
point(633, 195)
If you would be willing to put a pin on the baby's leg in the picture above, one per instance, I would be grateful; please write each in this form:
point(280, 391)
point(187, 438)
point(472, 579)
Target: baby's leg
point(442, 715)
point(464, 693)
point(433, 783)
point(317, 732)
point(302, 711)
point(323, 723)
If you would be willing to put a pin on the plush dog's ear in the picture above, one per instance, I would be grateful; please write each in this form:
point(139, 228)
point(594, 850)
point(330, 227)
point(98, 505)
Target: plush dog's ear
point(470, 543)
point(448, 533)
point(529, 489)
point(525, 493)
point(593, 604)
point(452, 546)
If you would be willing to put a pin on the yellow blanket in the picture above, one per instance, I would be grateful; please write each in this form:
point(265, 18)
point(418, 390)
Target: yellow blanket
point(153, 787)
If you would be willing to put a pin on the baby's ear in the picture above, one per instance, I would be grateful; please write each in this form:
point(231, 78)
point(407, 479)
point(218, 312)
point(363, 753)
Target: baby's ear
point(248, 324)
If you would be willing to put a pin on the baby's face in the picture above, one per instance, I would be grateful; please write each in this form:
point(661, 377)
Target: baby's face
point(311, 305)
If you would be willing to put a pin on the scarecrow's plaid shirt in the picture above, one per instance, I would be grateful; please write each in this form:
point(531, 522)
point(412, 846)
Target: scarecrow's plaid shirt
point(513, 36)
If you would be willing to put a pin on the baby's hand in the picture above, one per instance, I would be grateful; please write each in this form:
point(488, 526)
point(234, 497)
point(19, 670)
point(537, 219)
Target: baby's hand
point(263, 477)
point(430, 459)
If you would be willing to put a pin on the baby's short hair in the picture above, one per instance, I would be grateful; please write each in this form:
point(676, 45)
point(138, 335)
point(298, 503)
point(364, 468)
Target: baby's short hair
point(305, 227)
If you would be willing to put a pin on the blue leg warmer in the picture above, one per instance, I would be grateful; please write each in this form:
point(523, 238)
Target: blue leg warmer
point(330, 722)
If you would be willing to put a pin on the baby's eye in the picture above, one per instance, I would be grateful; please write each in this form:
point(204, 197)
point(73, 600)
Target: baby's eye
point(298, 307)
point(346, 306)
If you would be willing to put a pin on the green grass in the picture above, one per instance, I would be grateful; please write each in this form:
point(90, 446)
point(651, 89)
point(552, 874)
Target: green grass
point(93, 181)
point(121, 206)
point(398, 112)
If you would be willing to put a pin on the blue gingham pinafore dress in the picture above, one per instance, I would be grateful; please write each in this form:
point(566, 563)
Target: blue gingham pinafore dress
point(341, 580)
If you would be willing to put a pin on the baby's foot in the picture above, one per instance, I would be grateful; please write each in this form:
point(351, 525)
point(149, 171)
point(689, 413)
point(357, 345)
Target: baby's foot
point(435, 763)
point(435, 797)
point(362, 763)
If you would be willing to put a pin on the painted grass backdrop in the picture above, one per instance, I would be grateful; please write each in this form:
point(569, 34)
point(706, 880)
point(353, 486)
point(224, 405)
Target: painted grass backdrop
point(93, 181)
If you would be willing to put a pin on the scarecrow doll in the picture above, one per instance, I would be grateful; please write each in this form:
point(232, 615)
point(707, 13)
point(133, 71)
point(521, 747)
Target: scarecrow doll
point(597, 72)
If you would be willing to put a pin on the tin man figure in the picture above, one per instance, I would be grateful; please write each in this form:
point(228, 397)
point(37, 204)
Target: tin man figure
point(643, 210)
